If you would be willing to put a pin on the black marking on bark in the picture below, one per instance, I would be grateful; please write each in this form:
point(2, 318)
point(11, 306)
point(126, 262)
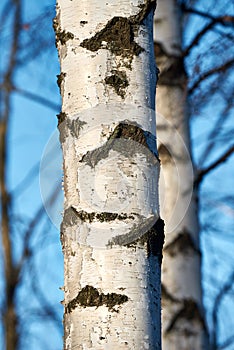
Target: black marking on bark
point(60, 79)
point(102, 217)
point(82, 23)
point(146, 9)
point(119, 33)
point(118, 80)
point(167, 295)
point(137, 235)
point(183, 243)
point(74, 126)
point(129, 132)
point(172, 69)
point(153, 238)
point(156, 239)
point(90, 296)
point(190, 311)
point(65, 125)
point(61, 117)
point(61, 35)
point(69, 218)
point(164, 154)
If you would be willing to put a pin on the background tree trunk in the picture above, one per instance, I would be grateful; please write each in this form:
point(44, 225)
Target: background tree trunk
point(182, 316)
point(111, 233)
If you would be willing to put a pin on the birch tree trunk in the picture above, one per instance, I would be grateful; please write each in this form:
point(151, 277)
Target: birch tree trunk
point(111, 232)
point(182, 316)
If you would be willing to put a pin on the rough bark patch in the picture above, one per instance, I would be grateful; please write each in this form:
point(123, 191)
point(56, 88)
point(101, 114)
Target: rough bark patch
point(61, 117)
point(129, 132)
point(117, 36)
point(90, 296)
point(60, 79)
point(119, 33)
point(183, 243)
point(118, 80)
point(61, 35)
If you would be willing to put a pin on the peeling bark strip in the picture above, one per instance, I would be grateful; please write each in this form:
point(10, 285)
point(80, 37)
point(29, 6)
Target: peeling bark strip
point(90, 296)
point(128, 132)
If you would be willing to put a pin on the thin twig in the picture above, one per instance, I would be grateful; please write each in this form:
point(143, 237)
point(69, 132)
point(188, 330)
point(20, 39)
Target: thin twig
point(201, 173)
point(219, 69)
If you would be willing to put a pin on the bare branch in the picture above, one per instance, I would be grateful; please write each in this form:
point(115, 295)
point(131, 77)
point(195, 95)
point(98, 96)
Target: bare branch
point(223, 291)
point(26, 180)
point(222, 20)
point(226, 343)
point(11, 275)
point(36, 98)
point(223, 116)
point(205, 171)
point(225, 20)
point(219, 69)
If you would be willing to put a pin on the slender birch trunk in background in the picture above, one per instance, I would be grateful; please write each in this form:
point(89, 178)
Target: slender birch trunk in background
point(111, 232)
point(182, 317)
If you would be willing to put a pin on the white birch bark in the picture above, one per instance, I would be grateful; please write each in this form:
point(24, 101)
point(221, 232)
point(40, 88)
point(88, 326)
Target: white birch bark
point(183, 324)
point(111, 232)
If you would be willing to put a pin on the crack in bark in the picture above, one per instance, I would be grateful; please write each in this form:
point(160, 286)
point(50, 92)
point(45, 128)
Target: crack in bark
point(90, 296)
point(135, 136)
point(183, 243)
